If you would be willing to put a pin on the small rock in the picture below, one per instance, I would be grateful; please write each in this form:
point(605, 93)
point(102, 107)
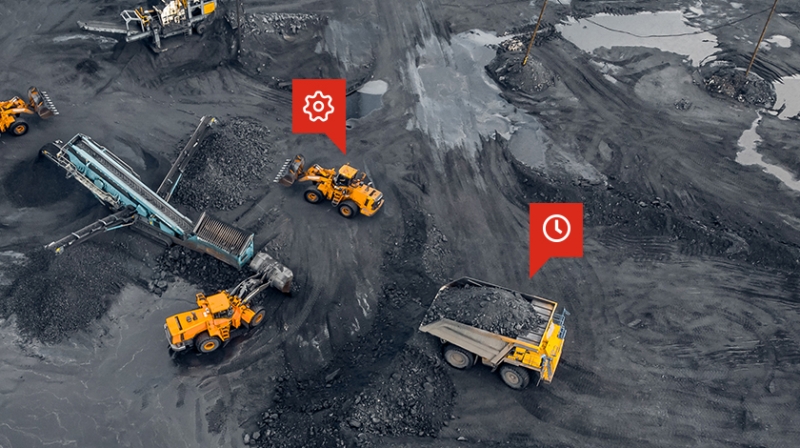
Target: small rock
point(332, 376)
point(461, 438)
point(634, 323)
point(256, 435)
point(355, 423)
point(247, 439)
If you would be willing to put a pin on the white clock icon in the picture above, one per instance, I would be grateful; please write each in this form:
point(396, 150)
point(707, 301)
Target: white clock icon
point(562, 233)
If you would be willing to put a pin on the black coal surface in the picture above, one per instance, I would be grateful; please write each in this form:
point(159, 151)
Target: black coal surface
point(415, 400)
point(57, 295)
point(227, 166)
point(198, 269)
point(36, 182)
point(490, 309)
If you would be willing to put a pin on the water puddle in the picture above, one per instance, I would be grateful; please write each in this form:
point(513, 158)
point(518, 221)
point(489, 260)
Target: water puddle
point(787, 90)
point(664, 30)
point(749, 156)
point(365, 100)
point(459, 104)
point(780, 41)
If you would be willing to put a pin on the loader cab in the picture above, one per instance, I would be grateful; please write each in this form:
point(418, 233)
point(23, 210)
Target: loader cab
point(219, 305)
point(202, 7)
point(346, 177)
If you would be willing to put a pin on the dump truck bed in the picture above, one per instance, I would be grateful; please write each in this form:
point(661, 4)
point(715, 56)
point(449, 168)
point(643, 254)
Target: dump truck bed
point(535, 346)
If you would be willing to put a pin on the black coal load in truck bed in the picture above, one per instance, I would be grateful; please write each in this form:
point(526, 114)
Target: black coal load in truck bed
point(491, 309)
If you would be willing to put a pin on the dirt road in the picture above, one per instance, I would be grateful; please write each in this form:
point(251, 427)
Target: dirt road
point(683, 328)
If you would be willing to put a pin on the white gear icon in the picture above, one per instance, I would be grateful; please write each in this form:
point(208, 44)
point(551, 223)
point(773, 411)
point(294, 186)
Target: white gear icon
point(315, 107)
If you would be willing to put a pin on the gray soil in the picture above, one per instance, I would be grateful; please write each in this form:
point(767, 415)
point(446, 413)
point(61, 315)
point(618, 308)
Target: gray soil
point(491, 309)
point(683, 328)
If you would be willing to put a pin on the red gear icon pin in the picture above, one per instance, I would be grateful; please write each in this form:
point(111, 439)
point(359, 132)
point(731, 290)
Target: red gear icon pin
point(318, 106)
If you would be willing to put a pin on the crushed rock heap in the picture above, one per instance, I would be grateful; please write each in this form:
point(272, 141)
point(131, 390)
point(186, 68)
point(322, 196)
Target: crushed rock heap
point(491, 309)
point(507, 70)
point(227, 166)
point(728, 80)
point(283, 23)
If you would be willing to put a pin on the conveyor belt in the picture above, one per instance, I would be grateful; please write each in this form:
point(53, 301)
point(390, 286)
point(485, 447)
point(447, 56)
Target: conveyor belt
point(124, 174)
point(222, 234)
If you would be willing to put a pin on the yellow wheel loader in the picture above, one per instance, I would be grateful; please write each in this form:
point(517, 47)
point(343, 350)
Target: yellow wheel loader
point(347, 188)
point(217, 318)
point(38, 103)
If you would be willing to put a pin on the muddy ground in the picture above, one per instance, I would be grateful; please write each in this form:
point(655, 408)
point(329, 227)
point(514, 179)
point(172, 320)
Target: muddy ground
point(684, 310)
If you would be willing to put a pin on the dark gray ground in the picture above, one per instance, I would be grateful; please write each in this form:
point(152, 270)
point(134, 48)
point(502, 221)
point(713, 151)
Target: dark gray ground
point(684, 310)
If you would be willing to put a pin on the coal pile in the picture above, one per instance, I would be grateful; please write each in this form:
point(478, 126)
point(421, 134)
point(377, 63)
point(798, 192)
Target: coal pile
point(415, 400)
point(54, 296)
point(729, 81)
point(227, 167)
point(205, 271)
point(37, 182)
point(490, 309)
point(506, 69)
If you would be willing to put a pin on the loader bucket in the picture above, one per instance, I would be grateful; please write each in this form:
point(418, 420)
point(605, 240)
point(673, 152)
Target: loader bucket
point(290, 170)
point(41, 103)
point(280, 277)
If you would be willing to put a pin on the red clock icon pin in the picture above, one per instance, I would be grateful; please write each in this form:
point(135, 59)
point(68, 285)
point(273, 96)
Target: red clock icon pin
point(556, 228)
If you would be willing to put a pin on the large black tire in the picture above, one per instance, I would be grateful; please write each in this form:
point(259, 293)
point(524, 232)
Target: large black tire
point(515, 377)
point(18, 128)
point(200, 28)
point(259, 317)
point(458, 357)
point(348, 209)
point(313, 195)
point(205, 343)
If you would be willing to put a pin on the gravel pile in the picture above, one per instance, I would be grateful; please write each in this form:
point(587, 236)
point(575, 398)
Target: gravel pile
point(490, 309)
point(283, 23)
point(205, 271)
point(54, 296)
point(415, 400)
point(227, 166)
point(521, 36)
point(507, 70)
point(728, 80)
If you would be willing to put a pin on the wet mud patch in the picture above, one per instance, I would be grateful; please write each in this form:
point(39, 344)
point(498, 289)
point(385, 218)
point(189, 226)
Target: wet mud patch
point(728, 81)
point(227, 167)
point(617, 205)
point(55, 296)
point(37, 182)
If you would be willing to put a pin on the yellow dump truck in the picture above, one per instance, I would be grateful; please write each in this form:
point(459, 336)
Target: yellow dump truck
point(517, 333)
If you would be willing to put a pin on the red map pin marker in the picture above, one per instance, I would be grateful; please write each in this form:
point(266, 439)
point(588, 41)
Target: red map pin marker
point(319, 106)
point(556, 230)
